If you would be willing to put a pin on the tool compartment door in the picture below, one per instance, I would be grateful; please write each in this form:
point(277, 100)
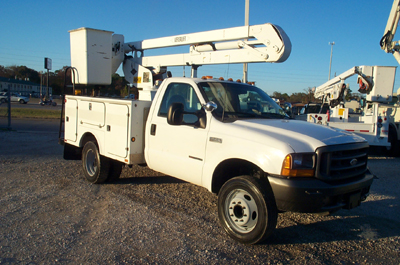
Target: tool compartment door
point(117, 130)
point(70, 124)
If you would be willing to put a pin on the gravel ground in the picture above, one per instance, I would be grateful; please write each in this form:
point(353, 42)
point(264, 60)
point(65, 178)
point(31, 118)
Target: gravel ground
point(49, 214)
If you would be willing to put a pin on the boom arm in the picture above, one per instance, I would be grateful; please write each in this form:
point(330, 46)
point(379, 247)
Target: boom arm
point(329, 87)
point(269, 43)
point(97, 54)
point(387, 43)
point(374, 81)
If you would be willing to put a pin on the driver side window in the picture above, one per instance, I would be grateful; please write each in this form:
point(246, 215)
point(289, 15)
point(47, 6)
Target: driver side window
point(181, 93)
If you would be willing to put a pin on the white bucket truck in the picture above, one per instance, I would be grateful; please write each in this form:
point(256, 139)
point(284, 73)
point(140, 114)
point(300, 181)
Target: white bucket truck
point(377, 121)
point(226, 136)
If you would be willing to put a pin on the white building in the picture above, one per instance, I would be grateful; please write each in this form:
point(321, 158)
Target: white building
point(25, 88)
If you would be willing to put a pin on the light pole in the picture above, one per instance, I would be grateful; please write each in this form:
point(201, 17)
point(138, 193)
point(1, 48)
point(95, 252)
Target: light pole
point(246, 23)
point(330, 63)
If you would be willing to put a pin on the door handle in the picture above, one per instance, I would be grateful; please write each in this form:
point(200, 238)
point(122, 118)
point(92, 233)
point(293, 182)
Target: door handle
point(153, 129)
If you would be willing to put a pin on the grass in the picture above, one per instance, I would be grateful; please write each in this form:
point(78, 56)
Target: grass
point(31, 113)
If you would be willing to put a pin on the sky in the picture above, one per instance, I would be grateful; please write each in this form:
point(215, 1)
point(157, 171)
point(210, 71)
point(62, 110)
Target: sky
point(32, 30)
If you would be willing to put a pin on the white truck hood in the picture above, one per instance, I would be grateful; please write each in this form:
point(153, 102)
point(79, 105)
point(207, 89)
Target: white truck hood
point(299, 135)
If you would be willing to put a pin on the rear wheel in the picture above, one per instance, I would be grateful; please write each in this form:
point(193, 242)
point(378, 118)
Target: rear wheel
point(393, 149)
point(21, 101)
point(95, 166)
point(247, 209)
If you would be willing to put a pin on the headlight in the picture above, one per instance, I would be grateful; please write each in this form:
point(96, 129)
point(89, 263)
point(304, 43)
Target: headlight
point(299, 165)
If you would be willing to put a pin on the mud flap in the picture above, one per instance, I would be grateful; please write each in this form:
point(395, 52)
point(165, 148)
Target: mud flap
point(72, 152)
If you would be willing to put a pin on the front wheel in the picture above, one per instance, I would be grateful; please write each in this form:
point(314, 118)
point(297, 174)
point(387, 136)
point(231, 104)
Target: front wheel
point(95, 166)
point(247, 209)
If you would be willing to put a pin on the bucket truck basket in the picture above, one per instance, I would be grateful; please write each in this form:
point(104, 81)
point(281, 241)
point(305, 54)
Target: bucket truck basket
point(91, 55)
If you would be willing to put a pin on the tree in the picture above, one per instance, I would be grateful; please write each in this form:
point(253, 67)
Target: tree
point(298, 97)
point(57, 79)
point(280, 96)
point(310, 94)
point(23, 73)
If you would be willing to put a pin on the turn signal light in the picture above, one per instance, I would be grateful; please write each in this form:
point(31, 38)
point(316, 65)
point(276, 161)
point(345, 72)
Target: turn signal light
point(298, 165)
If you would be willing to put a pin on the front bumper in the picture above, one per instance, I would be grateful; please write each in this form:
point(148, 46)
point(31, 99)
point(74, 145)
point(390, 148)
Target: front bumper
point(311, 195)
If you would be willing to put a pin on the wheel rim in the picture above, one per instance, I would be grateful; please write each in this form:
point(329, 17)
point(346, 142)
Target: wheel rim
point(241, 211)
point(91, 163)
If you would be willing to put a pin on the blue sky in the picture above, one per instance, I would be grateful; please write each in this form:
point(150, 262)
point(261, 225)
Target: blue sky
point(32, 30)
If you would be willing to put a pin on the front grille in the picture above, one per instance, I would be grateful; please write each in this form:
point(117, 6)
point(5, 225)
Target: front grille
point(339, 162)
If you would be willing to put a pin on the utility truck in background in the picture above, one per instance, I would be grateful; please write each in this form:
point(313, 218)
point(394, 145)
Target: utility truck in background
point(224, 135)
point(379, 120)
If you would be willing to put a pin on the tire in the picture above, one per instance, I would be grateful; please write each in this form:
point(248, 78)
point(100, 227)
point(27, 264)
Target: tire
point(95, 166)
point(3, 100)
point(115, 170)
point(21, 101)
point(247, 209)
point(393, 149)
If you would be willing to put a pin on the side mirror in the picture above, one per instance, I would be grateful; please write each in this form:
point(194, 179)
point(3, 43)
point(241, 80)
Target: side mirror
point(210, 106)
point(175, 114)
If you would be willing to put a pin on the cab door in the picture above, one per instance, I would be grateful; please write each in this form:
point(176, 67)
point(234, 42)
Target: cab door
point(177, 150)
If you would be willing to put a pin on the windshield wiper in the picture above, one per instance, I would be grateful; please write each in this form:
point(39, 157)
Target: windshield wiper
point(275, 115)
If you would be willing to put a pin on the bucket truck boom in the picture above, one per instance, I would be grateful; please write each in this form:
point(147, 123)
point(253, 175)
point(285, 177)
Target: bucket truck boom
point(106, 51)
point(387, 43)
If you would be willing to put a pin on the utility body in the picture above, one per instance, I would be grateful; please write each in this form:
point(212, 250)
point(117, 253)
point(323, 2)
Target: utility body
point(226, 136)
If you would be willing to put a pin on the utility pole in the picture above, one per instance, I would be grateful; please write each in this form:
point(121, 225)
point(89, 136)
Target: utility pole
point(246, 23)
point(330, 64)
point(41, 84)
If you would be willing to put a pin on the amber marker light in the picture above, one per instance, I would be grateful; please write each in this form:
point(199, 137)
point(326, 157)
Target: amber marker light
point(133, 139)
point(298, 168)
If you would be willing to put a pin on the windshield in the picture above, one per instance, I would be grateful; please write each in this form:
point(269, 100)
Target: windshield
point(240, 101)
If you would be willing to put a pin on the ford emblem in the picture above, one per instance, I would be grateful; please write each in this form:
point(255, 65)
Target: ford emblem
point(353, 162)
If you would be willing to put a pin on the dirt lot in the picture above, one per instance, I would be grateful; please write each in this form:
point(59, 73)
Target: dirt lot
point(49, 214)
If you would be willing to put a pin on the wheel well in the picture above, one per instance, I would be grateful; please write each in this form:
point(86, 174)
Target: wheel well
point(233, 168)
point(86, 138)
point(394, 128)
point(75, 153)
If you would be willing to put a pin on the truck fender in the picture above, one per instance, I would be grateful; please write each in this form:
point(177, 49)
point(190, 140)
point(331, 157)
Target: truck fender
point(231, 168)
point(88, 136)
point(255, 155)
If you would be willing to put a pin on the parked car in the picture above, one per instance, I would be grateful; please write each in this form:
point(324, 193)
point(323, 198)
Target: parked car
point(15, 97)
point(3, 97)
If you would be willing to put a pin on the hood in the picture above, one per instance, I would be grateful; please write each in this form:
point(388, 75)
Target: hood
point(301, 136)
